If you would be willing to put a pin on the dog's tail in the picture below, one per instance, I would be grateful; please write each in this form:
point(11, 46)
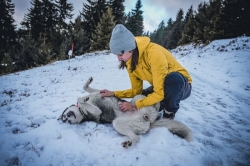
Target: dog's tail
point(174, 127)
point(89, 89)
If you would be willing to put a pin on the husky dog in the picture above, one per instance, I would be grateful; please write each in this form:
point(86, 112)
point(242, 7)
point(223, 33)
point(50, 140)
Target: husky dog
point(93, 107)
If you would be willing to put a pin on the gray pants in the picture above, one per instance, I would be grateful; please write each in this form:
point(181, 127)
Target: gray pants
point(176, 88)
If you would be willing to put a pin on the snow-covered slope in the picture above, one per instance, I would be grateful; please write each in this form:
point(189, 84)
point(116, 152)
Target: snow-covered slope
point(223, 62)
point(217, 112)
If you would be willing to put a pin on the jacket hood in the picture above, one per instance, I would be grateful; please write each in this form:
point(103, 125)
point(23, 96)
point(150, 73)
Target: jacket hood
point(142, 43)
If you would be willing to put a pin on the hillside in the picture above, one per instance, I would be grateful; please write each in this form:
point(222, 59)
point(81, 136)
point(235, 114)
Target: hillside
point(217, 112)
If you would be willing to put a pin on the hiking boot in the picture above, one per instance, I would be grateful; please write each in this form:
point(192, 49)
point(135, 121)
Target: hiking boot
point(168, 115)
point(165, 114)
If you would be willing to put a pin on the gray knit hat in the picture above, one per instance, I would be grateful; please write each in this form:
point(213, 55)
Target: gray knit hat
point(122, 40)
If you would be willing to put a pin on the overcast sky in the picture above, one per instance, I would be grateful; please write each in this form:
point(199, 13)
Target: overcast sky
point(154, 10)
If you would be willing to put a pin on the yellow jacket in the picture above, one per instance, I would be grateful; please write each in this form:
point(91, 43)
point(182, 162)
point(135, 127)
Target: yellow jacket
point(155, 62)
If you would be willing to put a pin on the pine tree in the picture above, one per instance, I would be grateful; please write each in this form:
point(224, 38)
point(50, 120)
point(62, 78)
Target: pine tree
point(117, 10)
point(233, 19)
point(60, 27)
point(44, 53)
point(46, 20)
point(188, 30)
point(157, 35)
point(78, 37)
point(134, 20)
point(91, 14)
point(211, 13)
point(243, 8)
point(129, 22)
point(33, 21)
point(200, 21)
point(103, 31)
point(65, 12)
point(167, 31)
point(7, 64)
point(28, 53)
point(152, 36)
point(50, 17)
point(174, 35)
point(55, 39)
point(63, 47)
point(146, 34)
point(7, 27)
point(41, 20)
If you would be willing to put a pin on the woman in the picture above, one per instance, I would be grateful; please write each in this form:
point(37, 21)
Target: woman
point(148, 61)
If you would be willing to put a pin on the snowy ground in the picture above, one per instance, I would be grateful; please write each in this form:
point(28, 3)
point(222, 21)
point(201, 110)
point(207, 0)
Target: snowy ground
point(218, 113)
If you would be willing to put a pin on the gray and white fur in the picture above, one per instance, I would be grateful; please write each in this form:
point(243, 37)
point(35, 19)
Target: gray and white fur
point(93, 107)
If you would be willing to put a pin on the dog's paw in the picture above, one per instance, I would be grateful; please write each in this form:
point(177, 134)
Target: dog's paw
point(87, 83)
point(90, 80)
point(126, 144)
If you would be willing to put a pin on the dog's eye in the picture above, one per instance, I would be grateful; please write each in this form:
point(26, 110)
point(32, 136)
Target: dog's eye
point(69, 113)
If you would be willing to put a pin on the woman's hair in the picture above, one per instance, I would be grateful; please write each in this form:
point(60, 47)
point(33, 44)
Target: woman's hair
point(134, 60)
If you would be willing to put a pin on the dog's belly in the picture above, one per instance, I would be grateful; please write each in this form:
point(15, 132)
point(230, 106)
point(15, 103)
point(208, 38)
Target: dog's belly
point(107, 116)
point(108, 106)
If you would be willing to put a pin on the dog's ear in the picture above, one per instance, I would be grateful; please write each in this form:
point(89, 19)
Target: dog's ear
point(88, 108)
point(95, 111)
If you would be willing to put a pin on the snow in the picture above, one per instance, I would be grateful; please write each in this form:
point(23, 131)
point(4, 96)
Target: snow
point(217, 112)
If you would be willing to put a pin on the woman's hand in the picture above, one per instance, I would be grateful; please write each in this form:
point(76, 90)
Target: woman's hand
point(106, 93)
point(126, 106)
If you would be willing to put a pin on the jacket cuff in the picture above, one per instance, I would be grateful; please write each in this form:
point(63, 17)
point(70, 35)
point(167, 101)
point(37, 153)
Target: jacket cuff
point(139, 104)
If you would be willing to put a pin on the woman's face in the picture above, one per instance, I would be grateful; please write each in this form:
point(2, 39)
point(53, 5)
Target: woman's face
point(125, 56)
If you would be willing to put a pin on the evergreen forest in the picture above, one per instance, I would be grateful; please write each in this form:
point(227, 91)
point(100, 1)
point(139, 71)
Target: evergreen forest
point(47, 31)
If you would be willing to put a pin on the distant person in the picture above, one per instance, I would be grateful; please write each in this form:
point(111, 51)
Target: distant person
point(151, 62)
point(70, 53)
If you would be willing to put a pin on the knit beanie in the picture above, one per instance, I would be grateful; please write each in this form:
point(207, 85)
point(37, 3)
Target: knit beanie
point(122, 40)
